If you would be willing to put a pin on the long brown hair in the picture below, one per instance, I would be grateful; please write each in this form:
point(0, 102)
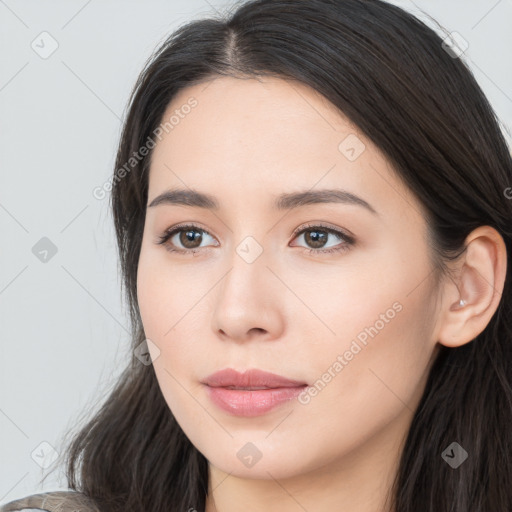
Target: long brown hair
point(391, 76)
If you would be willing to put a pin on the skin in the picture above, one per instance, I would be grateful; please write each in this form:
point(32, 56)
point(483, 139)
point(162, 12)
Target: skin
point(291, 312)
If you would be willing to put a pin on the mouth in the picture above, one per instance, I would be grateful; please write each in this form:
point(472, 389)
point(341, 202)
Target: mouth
point(252, 393)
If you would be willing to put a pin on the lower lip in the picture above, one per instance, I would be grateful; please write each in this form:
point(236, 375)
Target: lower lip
point(251, 403)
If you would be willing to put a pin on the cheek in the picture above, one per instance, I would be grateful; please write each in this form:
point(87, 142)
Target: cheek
point(170, 309)
point(361, 387)
point(164, 318)
point(376, 364)
point(161, 294)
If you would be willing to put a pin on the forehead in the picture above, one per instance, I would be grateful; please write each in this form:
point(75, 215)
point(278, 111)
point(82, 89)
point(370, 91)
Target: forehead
point(267, 135)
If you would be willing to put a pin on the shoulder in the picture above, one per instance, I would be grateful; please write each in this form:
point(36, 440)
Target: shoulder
point(56, 501)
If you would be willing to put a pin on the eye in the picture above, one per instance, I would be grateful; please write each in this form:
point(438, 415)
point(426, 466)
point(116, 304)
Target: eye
point(317, 235)
point(189, 236)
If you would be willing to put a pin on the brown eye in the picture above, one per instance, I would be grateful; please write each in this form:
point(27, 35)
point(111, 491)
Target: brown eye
point(185, 238)
point(316, 238)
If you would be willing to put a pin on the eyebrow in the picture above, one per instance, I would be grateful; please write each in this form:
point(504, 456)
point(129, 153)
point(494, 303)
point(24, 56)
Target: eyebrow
point(286, 201)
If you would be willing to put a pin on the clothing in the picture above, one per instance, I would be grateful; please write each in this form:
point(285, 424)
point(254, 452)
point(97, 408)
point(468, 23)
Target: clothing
point(56, 501)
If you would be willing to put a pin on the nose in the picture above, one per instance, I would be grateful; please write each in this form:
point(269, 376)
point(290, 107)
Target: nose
point(249, 301)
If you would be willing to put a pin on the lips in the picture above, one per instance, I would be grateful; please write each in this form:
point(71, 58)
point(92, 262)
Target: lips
point(252, 393)
point(250, 380)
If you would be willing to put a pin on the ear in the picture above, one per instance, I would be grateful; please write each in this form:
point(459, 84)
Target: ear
point(481, 272)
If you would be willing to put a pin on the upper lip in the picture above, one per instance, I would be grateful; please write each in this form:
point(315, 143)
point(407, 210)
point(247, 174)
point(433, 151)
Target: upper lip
point(249, 379)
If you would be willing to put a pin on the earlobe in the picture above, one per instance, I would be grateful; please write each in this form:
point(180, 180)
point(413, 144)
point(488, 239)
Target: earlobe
point(474, 298)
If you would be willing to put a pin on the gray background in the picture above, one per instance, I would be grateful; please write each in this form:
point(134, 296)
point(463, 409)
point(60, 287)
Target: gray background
point(64, 332)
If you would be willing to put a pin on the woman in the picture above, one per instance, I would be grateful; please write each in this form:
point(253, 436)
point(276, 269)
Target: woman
point(312, 206)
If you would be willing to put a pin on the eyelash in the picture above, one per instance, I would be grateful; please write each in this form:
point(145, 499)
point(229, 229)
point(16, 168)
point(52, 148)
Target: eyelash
point(348, 240)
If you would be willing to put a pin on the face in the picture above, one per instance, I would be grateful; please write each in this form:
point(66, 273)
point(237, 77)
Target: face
point(331, 292)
